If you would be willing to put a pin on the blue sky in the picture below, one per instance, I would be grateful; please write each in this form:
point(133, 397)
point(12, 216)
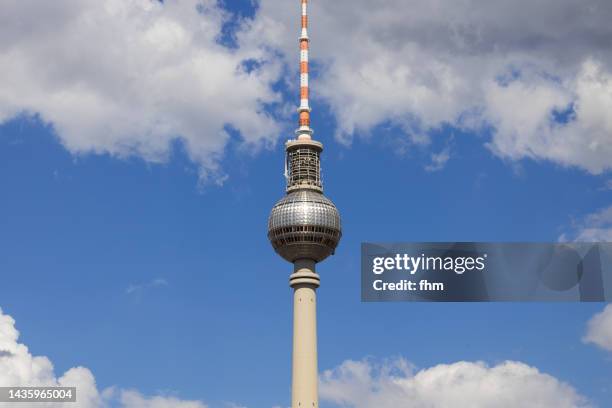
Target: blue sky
point(158, 281)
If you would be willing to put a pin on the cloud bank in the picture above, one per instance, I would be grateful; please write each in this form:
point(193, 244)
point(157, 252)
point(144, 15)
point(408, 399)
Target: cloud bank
point(396, 384)
point(358, 384)
point(536, 76)
point(130, 77)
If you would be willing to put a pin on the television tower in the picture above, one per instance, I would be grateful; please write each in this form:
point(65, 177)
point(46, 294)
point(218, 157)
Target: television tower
point(304, 228)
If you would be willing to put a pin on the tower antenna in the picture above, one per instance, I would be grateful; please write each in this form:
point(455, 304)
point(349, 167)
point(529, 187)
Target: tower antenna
point(304, 131)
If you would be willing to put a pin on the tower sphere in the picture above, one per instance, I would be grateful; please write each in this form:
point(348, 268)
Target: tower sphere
point(304, 225)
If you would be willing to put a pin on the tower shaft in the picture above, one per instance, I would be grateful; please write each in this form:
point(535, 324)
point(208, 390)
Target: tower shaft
point(304, 380)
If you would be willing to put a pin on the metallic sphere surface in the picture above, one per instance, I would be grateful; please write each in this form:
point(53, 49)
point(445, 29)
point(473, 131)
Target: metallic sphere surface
point(304, 225)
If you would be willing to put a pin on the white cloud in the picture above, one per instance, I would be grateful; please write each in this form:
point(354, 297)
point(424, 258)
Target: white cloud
point(540, 78)
point(138, 288)
point(20, 368)
point(438, 160)
point(233, 405)
point(596, 227)
point(522, 113)
point(127, 77)
point(599, 329)
point(396, 384)
point(134, 399)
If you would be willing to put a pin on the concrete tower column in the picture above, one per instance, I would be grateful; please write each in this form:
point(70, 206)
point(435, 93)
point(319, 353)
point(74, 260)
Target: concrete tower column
point(304, 382)
point(304, 228)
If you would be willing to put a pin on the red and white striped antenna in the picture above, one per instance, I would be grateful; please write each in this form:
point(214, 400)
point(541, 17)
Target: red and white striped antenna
point(304, 132)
